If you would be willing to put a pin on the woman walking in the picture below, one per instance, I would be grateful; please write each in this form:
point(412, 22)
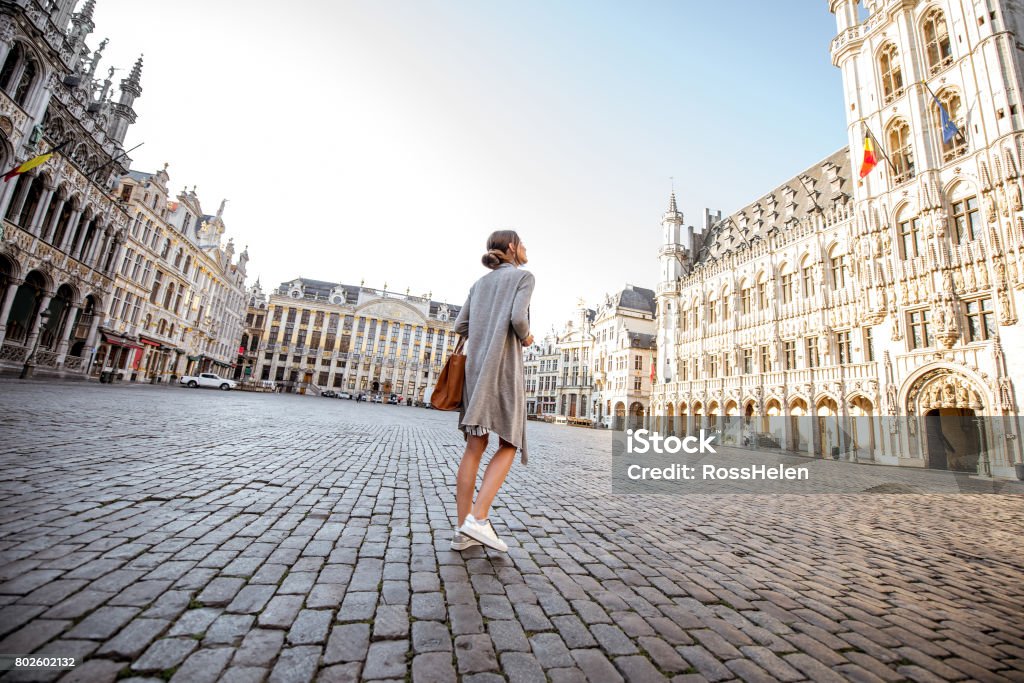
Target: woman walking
point(496, 324)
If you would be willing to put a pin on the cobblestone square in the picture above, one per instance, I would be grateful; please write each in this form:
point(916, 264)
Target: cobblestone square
point(159, 533)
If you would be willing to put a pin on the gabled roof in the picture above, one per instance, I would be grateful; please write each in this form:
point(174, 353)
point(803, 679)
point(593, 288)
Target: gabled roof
point(817, 188)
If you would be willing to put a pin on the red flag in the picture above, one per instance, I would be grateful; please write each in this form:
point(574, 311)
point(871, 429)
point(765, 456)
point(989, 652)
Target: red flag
point(870, 161)
point(652, 370)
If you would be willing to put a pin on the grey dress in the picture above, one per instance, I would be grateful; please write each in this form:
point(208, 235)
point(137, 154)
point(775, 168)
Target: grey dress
point(495, 320)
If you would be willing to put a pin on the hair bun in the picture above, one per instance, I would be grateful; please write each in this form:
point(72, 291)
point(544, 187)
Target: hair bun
point(493, 258)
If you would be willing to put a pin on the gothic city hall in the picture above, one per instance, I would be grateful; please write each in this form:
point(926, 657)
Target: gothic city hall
point(881, 286)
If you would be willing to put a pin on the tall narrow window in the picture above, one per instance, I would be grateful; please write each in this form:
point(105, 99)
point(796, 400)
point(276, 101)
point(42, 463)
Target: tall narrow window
point(920, 330)
point(901, 152)
point(748, 361)
point(766, 361)
point(837, 264)
point(746, 296)
point(956, 145)
point(979, 320)
point(910, 237)
point(812, 352)
point(789, 355)
point(892, 74)
point(845, 347)
point(936, 41)
point(786, 284)
point(965, 218)
point(869, 344)
point(807, 277)
point(762, 294)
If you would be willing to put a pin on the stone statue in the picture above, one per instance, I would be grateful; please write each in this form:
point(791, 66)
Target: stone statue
point(962, 399)
point(970, 281)
point(983, 276)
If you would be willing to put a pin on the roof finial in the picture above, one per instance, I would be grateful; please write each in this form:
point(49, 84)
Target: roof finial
point(220, 211)
point(672, 196)
point(136, 72)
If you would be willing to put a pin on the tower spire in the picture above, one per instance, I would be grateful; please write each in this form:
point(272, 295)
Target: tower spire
point(136, 73)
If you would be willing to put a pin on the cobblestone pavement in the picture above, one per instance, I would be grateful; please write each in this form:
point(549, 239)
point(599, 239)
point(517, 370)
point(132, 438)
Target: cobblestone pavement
point(162, 533)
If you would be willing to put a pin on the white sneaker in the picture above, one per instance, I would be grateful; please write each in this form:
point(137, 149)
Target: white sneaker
point(483, 532)
point(460, 541)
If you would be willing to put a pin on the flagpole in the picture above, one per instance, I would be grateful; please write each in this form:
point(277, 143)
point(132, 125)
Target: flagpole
point(881, 149)
point(108, 163)
point(939, 102)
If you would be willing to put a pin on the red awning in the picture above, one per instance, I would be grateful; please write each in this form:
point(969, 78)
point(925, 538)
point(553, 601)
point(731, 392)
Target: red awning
point(118, 340)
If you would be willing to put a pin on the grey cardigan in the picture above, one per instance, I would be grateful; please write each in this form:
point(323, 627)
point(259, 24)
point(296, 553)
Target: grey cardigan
point(495, 320)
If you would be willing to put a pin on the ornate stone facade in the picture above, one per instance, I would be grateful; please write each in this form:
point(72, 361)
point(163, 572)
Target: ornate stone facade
point(893, 295)
point(326, 335)
point(63, 229)
point(179, 291)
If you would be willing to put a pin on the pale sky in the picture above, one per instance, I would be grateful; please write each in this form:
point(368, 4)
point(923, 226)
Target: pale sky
point(383, 140)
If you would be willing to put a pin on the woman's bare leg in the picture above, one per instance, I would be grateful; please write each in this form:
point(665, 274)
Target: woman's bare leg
point(494, 477)
point(465, 481)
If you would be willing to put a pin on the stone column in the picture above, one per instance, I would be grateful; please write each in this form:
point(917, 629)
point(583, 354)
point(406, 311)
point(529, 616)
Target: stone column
point(24, 187)
point(62, 347)
point(76, 252)
point(46, 232)
point(90, 340)
point(40, 212)
point(98, 245)
point(118, 254)
point(33, 332)
point(5, 308)
point(73, 220)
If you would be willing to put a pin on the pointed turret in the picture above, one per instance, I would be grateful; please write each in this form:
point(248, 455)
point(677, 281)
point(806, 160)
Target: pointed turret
point(124, 115)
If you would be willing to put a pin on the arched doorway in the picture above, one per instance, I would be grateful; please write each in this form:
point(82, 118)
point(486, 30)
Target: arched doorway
point(862, 428)
point(619, 423)
point(953, 437)
point(797, 425)
point(25, 308)
point(636, 415)
point(827, 435)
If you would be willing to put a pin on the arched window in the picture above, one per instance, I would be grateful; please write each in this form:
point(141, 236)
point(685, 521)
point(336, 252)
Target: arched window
point(188, 265)
point(807, 277)
point(167, 248)
point(726, 308)
point(28, 76)
point(786, 284)
point(169, 295)
point(837, 266)
point(909, 235)
point(938, 51)
point(964, 214)
point(762, 291)
point(713, 311)
point(18, 74)
point(892, 74)
point(957, 145)
point(746, 297)
point(900, 151)
point(177, 258)
point(11, 66)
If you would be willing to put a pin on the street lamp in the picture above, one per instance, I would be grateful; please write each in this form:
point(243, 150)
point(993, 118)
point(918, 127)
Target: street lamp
point(26, 370)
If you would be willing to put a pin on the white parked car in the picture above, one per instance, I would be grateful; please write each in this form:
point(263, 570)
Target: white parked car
point(208, 379)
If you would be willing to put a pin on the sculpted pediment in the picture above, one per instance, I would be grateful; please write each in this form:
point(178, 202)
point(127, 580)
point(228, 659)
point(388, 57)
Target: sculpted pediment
point(392, 310)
